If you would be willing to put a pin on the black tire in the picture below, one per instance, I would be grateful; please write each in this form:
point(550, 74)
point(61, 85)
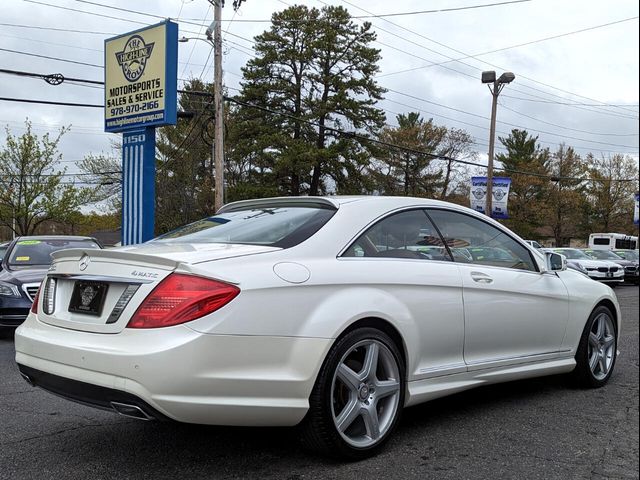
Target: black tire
point(319, 430)
point(583, 373)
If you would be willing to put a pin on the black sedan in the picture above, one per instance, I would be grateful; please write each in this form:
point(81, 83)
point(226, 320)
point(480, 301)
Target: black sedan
point(24, 265)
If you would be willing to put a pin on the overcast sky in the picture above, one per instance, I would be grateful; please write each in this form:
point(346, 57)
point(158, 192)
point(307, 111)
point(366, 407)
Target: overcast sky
point(596, 71)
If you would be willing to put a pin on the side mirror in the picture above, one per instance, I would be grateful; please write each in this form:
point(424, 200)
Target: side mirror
point(556, 262)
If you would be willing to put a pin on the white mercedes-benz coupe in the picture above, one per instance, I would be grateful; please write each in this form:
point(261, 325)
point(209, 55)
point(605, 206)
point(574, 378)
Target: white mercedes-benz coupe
point(329, 313)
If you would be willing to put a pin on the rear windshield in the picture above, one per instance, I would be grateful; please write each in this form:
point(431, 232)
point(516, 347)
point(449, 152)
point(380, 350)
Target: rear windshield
point(29, 253)
point(276, 227)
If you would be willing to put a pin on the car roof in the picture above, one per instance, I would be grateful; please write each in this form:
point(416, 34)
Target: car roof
point(335, 201)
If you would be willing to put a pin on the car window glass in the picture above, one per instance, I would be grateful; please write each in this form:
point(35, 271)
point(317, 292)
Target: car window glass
point(407, 234)
point(573, 253)
point(277, 226)
point(28, 253)
point(473, 241)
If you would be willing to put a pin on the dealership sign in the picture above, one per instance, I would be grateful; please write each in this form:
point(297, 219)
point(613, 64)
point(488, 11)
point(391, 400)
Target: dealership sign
point(140, 94)
point(140, 77)
point(478, 195)
point(635, 210)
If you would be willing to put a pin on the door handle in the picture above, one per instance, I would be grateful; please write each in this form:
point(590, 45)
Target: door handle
point(480, 277)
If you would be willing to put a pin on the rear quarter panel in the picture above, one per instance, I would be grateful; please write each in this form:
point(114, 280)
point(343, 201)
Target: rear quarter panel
point(585, 294)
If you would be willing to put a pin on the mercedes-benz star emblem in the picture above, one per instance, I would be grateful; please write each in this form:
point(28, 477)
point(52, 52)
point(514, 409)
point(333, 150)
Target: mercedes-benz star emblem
point(84, 262)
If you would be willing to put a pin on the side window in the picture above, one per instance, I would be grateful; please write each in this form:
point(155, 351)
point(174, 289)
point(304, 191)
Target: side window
point(473, 241)
point(407, 234)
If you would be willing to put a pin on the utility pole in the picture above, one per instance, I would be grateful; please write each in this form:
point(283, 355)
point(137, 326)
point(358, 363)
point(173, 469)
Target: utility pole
point(219, 126)
point(498, 84)
point(217, 149)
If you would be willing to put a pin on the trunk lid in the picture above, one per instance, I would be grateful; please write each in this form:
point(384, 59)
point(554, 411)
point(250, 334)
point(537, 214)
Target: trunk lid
point(99, 290)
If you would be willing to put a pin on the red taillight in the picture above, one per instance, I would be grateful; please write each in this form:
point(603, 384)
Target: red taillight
point(181, 298)
point(34, 307)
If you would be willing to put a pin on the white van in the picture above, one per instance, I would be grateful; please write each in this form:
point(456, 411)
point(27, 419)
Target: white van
point(612, 241)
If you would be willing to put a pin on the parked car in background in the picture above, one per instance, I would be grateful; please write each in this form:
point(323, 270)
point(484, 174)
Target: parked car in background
point(24, 265)
point(601, 270)
point(632, 255)
point(3, 249)
point(533, 243)
point(323, 311)
point(630, 267)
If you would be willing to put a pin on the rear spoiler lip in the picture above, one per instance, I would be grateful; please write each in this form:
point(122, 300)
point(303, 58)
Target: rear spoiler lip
point(318, 202)
point(77, 253)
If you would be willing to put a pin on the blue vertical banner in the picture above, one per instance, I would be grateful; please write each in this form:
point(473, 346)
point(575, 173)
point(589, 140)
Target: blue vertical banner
point(636, 215)
point(138, 182)
point(478, 195)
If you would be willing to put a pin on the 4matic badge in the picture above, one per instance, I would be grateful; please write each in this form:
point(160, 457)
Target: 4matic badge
point(133, 59)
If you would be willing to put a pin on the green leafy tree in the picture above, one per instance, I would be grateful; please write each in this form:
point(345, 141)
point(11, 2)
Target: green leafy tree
point(317, 68)
point(33, 189)
point(527, 192)
point(611, 202)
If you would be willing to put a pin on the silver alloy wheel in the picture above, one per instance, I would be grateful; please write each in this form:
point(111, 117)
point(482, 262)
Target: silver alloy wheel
point(602, 345)
point(365, 392)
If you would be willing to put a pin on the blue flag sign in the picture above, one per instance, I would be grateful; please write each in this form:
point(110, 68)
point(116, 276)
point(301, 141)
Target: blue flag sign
point(478, 195)
point(635, 211)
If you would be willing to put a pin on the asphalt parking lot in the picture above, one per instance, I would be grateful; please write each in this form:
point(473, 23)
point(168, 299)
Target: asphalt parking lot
point(541, 428)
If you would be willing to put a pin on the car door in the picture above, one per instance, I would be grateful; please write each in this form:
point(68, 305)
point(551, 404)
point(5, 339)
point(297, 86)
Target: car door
point(403, 259)
point(512, 311)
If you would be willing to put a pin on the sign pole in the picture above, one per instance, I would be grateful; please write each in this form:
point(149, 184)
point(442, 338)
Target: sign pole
point(138, 185)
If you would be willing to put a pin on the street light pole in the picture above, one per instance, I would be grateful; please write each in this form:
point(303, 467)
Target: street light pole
point(498, 84)
point(492, 139)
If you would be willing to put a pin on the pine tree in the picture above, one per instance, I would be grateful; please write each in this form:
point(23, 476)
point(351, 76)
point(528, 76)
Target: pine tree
point(527, 192)
point(315, 68)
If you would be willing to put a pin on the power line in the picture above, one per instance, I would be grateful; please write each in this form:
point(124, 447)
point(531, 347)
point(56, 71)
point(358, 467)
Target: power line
point(50, 58)
point(508, 123)
point(51, 102)
point(397, 14)
point(390, 90)
point(193, 47)
point(360, 137)
point(66, 30)
point(502, 49)
point(69, 9)
point(568, 128)
point(466, 54)
point(555, 102)
point(408, 149)
point(373, 15)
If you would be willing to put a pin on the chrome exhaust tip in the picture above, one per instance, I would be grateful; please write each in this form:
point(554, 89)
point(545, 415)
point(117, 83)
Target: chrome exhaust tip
point(27, 379)
point(131, 411)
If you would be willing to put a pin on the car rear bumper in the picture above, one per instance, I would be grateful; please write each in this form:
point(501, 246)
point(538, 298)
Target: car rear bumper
point(175, 372)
